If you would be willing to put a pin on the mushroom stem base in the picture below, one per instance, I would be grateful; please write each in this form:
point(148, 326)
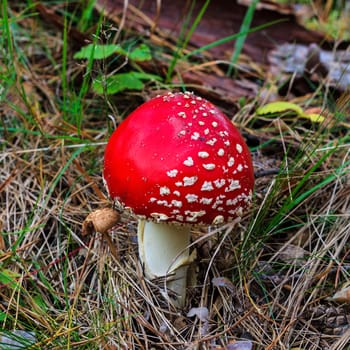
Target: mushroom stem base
point(164, 251)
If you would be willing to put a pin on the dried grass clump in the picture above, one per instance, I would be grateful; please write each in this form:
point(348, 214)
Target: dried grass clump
point(273, 290)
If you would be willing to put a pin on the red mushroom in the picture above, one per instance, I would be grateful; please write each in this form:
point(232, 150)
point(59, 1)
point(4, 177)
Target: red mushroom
point(177, 161)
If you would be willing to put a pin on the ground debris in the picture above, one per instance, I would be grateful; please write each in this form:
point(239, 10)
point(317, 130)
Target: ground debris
point(225, 17)
point(341, 296)
point(312, 61)
point(330, 319)
point(271, 276)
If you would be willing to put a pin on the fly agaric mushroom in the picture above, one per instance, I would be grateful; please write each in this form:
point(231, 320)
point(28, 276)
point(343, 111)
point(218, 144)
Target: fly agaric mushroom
point(175, 162)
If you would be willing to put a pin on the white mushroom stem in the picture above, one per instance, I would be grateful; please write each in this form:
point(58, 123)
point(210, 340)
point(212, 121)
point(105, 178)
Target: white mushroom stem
point(164, 251)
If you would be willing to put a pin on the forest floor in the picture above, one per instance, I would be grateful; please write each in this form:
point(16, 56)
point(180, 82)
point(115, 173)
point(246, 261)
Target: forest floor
point(70, 73)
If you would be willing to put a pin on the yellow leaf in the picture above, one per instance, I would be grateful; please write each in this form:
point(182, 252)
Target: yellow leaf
point(279, 107)
point(313, 117)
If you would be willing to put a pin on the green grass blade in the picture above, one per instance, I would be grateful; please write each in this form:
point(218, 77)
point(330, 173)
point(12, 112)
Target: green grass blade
point(6, 31)
point(64, 68)
point(241, 39)
point(86, 16)
point(195, 23)
point(181, 47)
point(232, 37)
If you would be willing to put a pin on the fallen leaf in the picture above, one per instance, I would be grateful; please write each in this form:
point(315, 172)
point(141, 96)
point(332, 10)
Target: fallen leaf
point(342, 296)
point(291, 254)
point(223, 282)
point(201, 312)
point(279, 107)
point(311, 62)
point(313, 117)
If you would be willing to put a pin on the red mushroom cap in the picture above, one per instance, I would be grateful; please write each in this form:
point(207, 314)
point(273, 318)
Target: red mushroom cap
point(178, 158)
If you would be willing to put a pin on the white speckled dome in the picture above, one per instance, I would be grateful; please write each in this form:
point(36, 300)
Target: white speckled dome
point(178, 158)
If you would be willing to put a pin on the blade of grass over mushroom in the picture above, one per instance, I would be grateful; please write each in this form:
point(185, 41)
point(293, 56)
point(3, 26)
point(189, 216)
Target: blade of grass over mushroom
point(238, 46)
point(182, 43)
point(86, 16)
point(231, 38)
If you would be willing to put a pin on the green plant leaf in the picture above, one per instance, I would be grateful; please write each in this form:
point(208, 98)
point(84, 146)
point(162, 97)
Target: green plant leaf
point(121, 82)
point(141, 53)
point(117, 83)
point(231, 37)
point(3, 316)
point(9, 278)
point(279, 107)
point(40, 302)
point(146, 76)
point(99, 52)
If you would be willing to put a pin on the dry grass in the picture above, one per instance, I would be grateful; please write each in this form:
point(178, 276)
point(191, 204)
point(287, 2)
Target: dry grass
point(268, 279)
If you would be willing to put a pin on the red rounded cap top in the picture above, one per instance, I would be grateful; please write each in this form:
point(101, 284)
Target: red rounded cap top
point(178, 158)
